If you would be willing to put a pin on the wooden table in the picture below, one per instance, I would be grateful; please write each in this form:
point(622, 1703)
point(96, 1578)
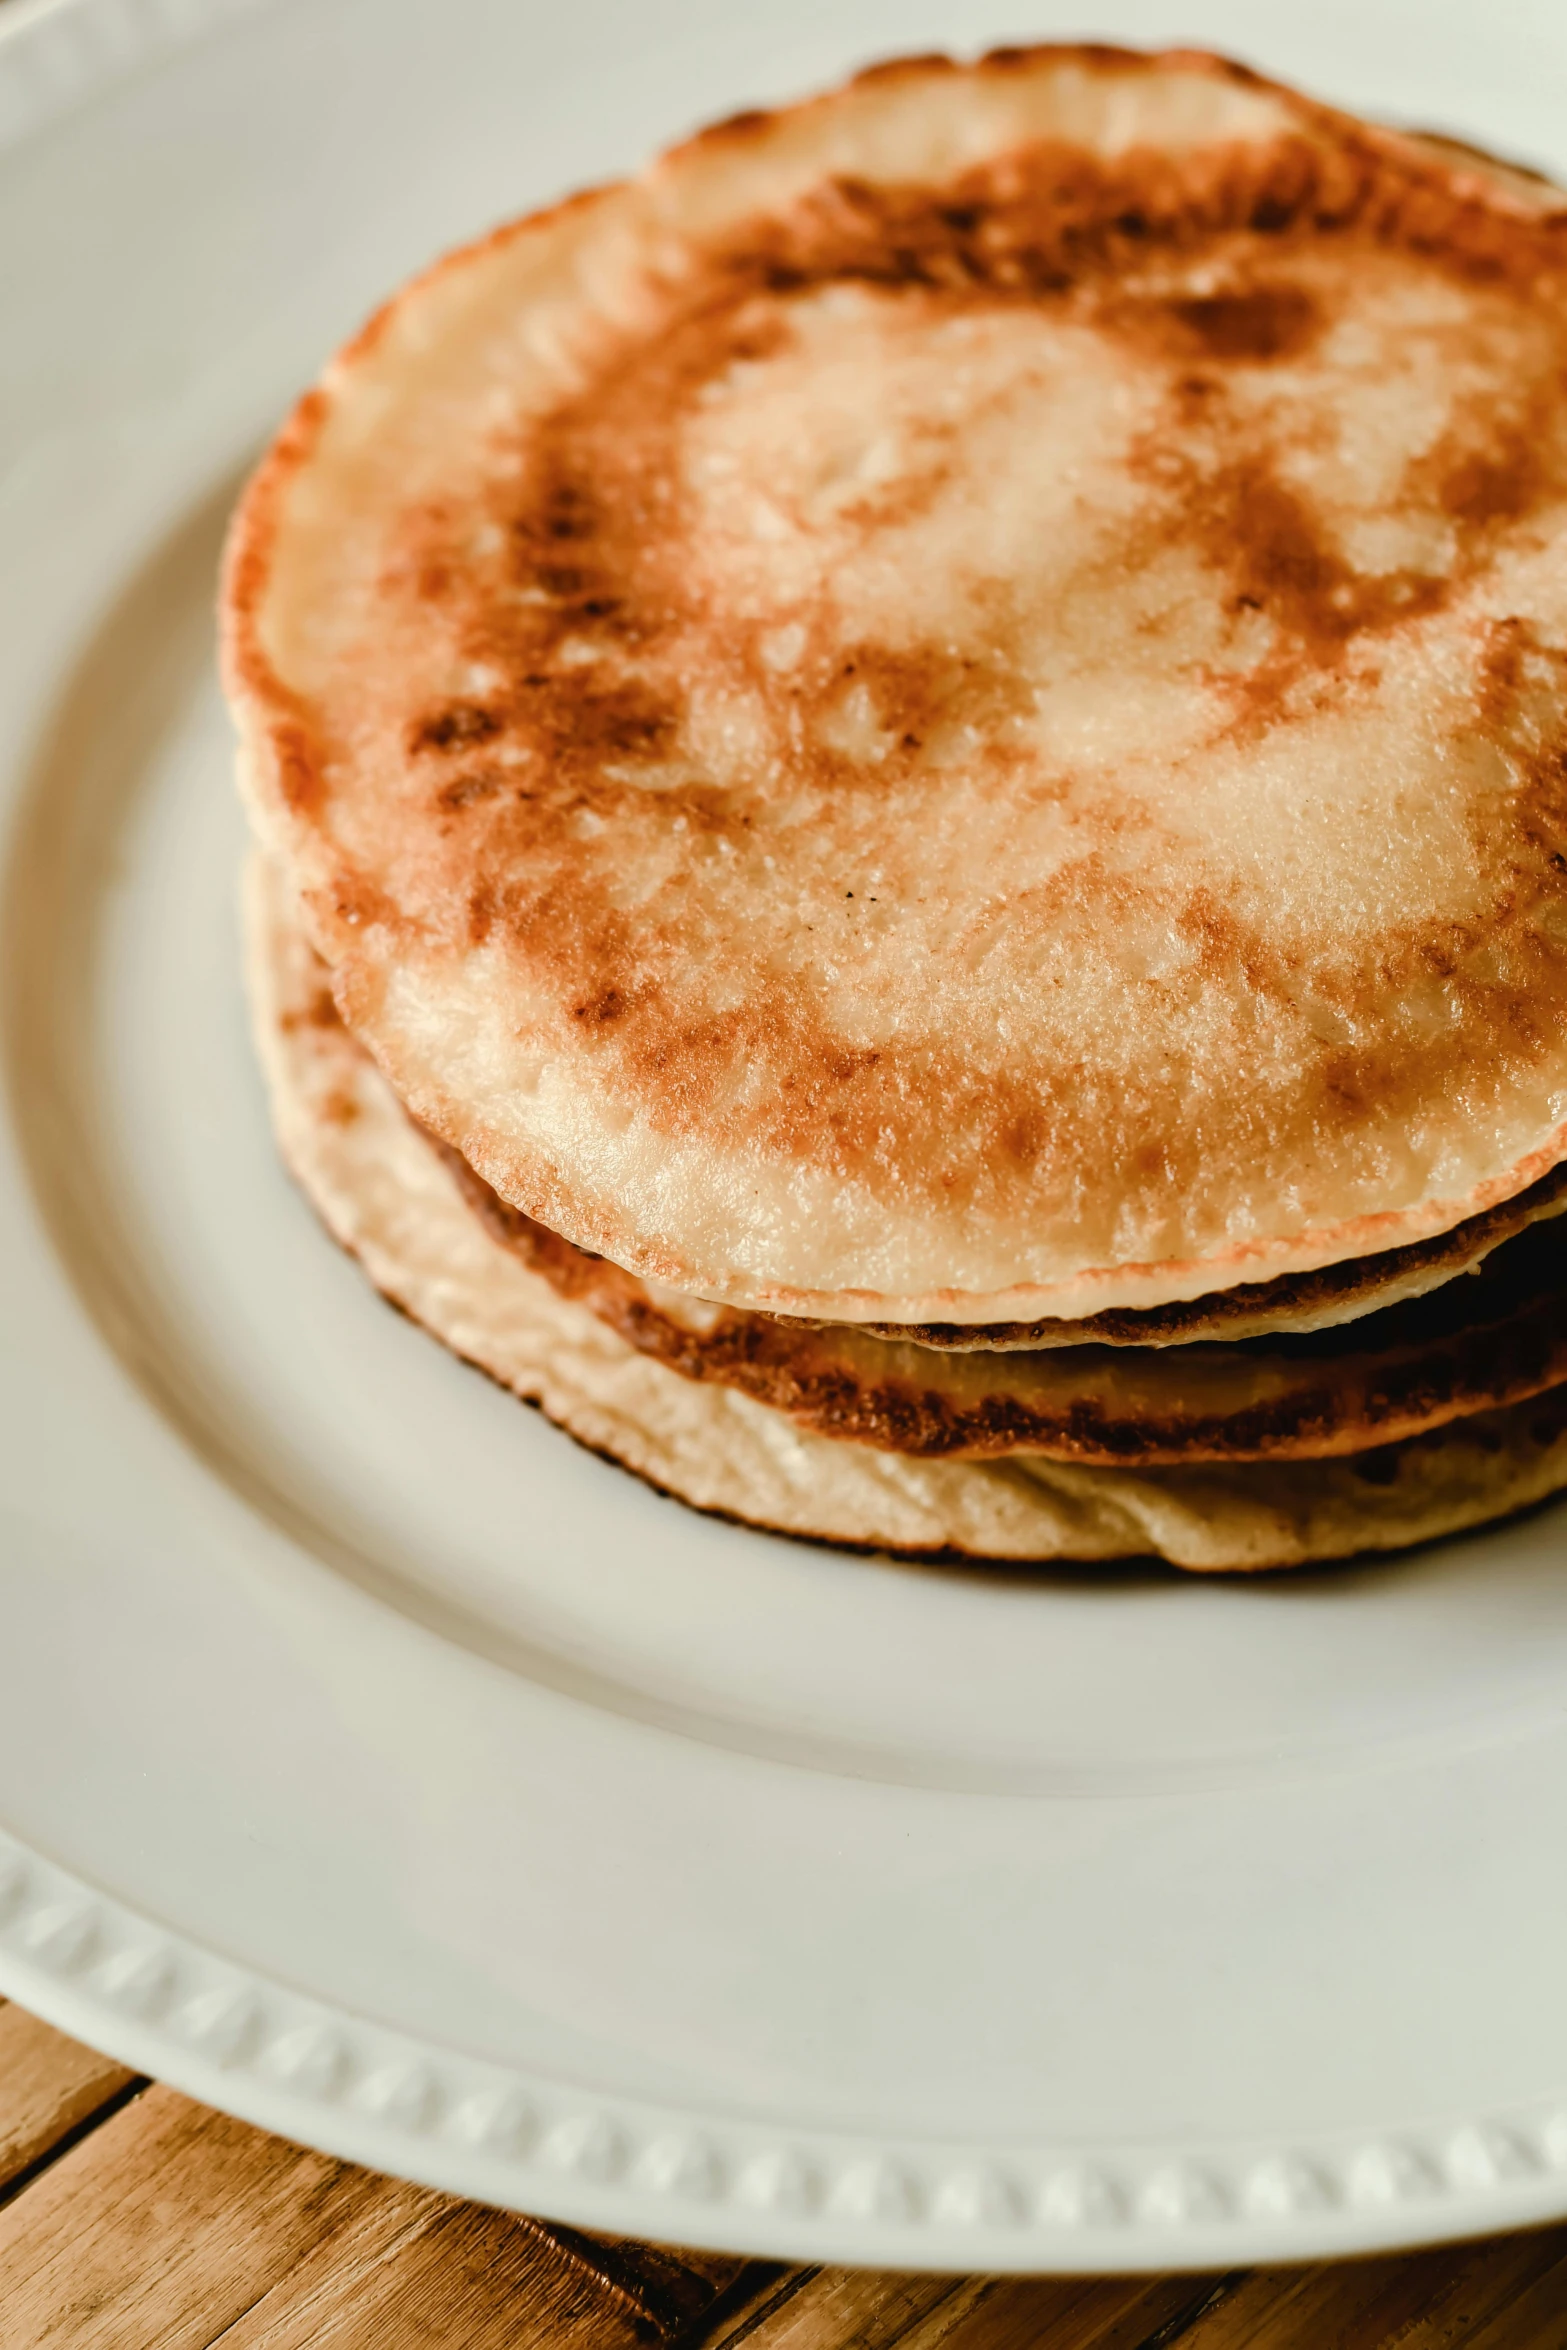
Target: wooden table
point(131, 2219)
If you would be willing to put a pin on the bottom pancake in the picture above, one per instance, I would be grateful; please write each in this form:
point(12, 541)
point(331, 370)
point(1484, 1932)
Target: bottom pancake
point(387, 1195)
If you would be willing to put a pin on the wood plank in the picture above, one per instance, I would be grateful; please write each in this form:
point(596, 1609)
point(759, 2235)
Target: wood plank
point(832, 2308)
point(443, 2275)
point(1071, 2313)
point(162, 2227)
point(49, 2086)
point(177, 2227)
point(1536, 2319)
point(1436, 2300)
point(823, 2308)
point(675, 2286)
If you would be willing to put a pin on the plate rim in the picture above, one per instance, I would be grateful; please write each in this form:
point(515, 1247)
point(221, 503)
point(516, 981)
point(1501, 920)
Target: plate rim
point(55, 54)
point(313, 2071)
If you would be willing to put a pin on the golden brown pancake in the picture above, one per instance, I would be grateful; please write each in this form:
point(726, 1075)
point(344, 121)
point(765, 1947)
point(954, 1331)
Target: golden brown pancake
point(393, 1199)
point(1498, 1337)
point(1294, 1303)
point(952, 707)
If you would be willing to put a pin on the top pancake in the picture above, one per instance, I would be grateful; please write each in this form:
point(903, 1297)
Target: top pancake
point(952, 708)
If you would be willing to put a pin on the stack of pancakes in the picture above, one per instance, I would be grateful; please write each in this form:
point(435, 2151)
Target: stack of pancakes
point(911, 793)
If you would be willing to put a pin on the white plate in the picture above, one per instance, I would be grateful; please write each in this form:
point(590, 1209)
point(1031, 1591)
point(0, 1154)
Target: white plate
point(378, 1766)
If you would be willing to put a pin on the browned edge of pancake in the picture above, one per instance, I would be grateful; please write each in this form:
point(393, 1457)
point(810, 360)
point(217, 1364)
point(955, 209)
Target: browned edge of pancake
point(1491, 1340)
point(1377, 1468)
point(1334, 1294)
point(397, 1206)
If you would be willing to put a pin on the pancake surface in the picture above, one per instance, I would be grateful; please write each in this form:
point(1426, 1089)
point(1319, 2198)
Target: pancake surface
point(390, 1196)
point(952, 708)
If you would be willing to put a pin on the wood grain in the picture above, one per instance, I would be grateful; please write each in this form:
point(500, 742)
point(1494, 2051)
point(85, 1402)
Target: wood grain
point(1076, 2313)
point(49, 2086)
point(164, 2226)
point(173, 2226)
point(803, 2308)
point(829, 2308)
point(418, 2270)
point(1454, 2294)
point(131, 2219)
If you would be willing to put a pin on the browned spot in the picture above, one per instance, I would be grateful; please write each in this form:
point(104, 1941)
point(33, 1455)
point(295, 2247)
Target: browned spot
point(1049, 216)
point(1105, 56)
point(320, 1012)
point(913, 67)
point(604, 1007)
point(464, 790)
point(1480, 490)
point(1498, 481)
point(917, 689)
point(298, 769)
point(1257, 323)
point(340, 1107)
point(1282, 566)
point(354, 902)
point(459, 722)
point(481, 913)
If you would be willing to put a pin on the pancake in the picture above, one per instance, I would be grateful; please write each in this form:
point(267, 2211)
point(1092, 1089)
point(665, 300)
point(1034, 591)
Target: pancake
point(1481, 1343)
point(396, 1200)
point(951, 709)
point(1294, 1303)
point(1498, 1338)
